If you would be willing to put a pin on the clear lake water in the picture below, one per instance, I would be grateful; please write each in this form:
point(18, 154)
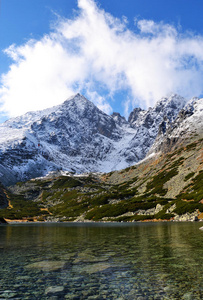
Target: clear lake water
point(101, 261)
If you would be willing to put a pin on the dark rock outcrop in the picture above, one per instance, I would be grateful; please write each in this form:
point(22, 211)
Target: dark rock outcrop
point(3, 197)
point(2, 221)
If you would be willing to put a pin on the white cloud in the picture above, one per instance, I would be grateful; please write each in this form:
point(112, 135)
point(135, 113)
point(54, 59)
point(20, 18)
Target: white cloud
point(149, 26)
point(99, 101)
point(97, 54)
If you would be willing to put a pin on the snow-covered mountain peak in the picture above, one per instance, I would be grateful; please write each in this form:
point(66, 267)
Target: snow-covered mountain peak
point(77, 136)
point(170, 106)
point(136, 116)
point(194, 104)
point(120, 120)
point(198, 104)
point(33, 116)
point(173, 98)
point(193, 112)
point(78, 100)
point(188, 124)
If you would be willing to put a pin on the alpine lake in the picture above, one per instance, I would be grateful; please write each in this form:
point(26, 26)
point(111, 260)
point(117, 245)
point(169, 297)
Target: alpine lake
point(101, 261)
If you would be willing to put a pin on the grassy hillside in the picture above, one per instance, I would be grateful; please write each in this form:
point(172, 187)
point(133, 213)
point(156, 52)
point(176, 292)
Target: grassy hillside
point(164, 187)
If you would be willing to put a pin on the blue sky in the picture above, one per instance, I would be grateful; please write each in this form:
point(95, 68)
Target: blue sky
point(119, 54)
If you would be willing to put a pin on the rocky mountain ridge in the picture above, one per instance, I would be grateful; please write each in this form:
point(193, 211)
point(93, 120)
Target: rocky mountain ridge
point(166, 185)
point(187, 125)
point(77, 137)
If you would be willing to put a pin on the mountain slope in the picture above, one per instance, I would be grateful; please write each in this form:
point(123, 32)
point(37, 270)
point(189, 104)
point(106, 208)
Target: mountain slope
point(163, 187)
point(185, 128)
point(77, 137)
point(72, 136)
point(146, 123)
point(167, 185)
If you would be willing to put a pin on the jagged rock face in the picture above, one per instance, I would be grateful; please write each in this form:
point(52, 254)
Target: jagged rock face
point(164, 108)
point(76, 136)
point(136, 114)
point(119, 119)
point(188, 124)
point(146, 123)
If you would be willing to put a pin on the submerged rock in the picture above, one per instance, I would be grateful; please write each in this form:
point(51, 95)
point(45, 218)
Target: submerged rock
point(87, 256)
point(47, 266)
point(54, 290)
point(95, 268)
point(8, 294)
point(188, 296)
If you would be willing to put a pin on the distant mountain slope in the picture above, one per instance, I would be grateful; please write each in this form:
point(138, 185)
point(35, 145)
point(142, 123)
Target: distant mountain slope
point(184, 129)
point(166, 186)
point(146, 123)
point(77, 137)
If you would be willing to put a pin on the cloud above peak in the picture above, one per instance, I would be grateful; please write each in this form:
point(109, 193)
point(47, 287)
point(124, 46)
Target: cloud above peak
point(99, 56)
